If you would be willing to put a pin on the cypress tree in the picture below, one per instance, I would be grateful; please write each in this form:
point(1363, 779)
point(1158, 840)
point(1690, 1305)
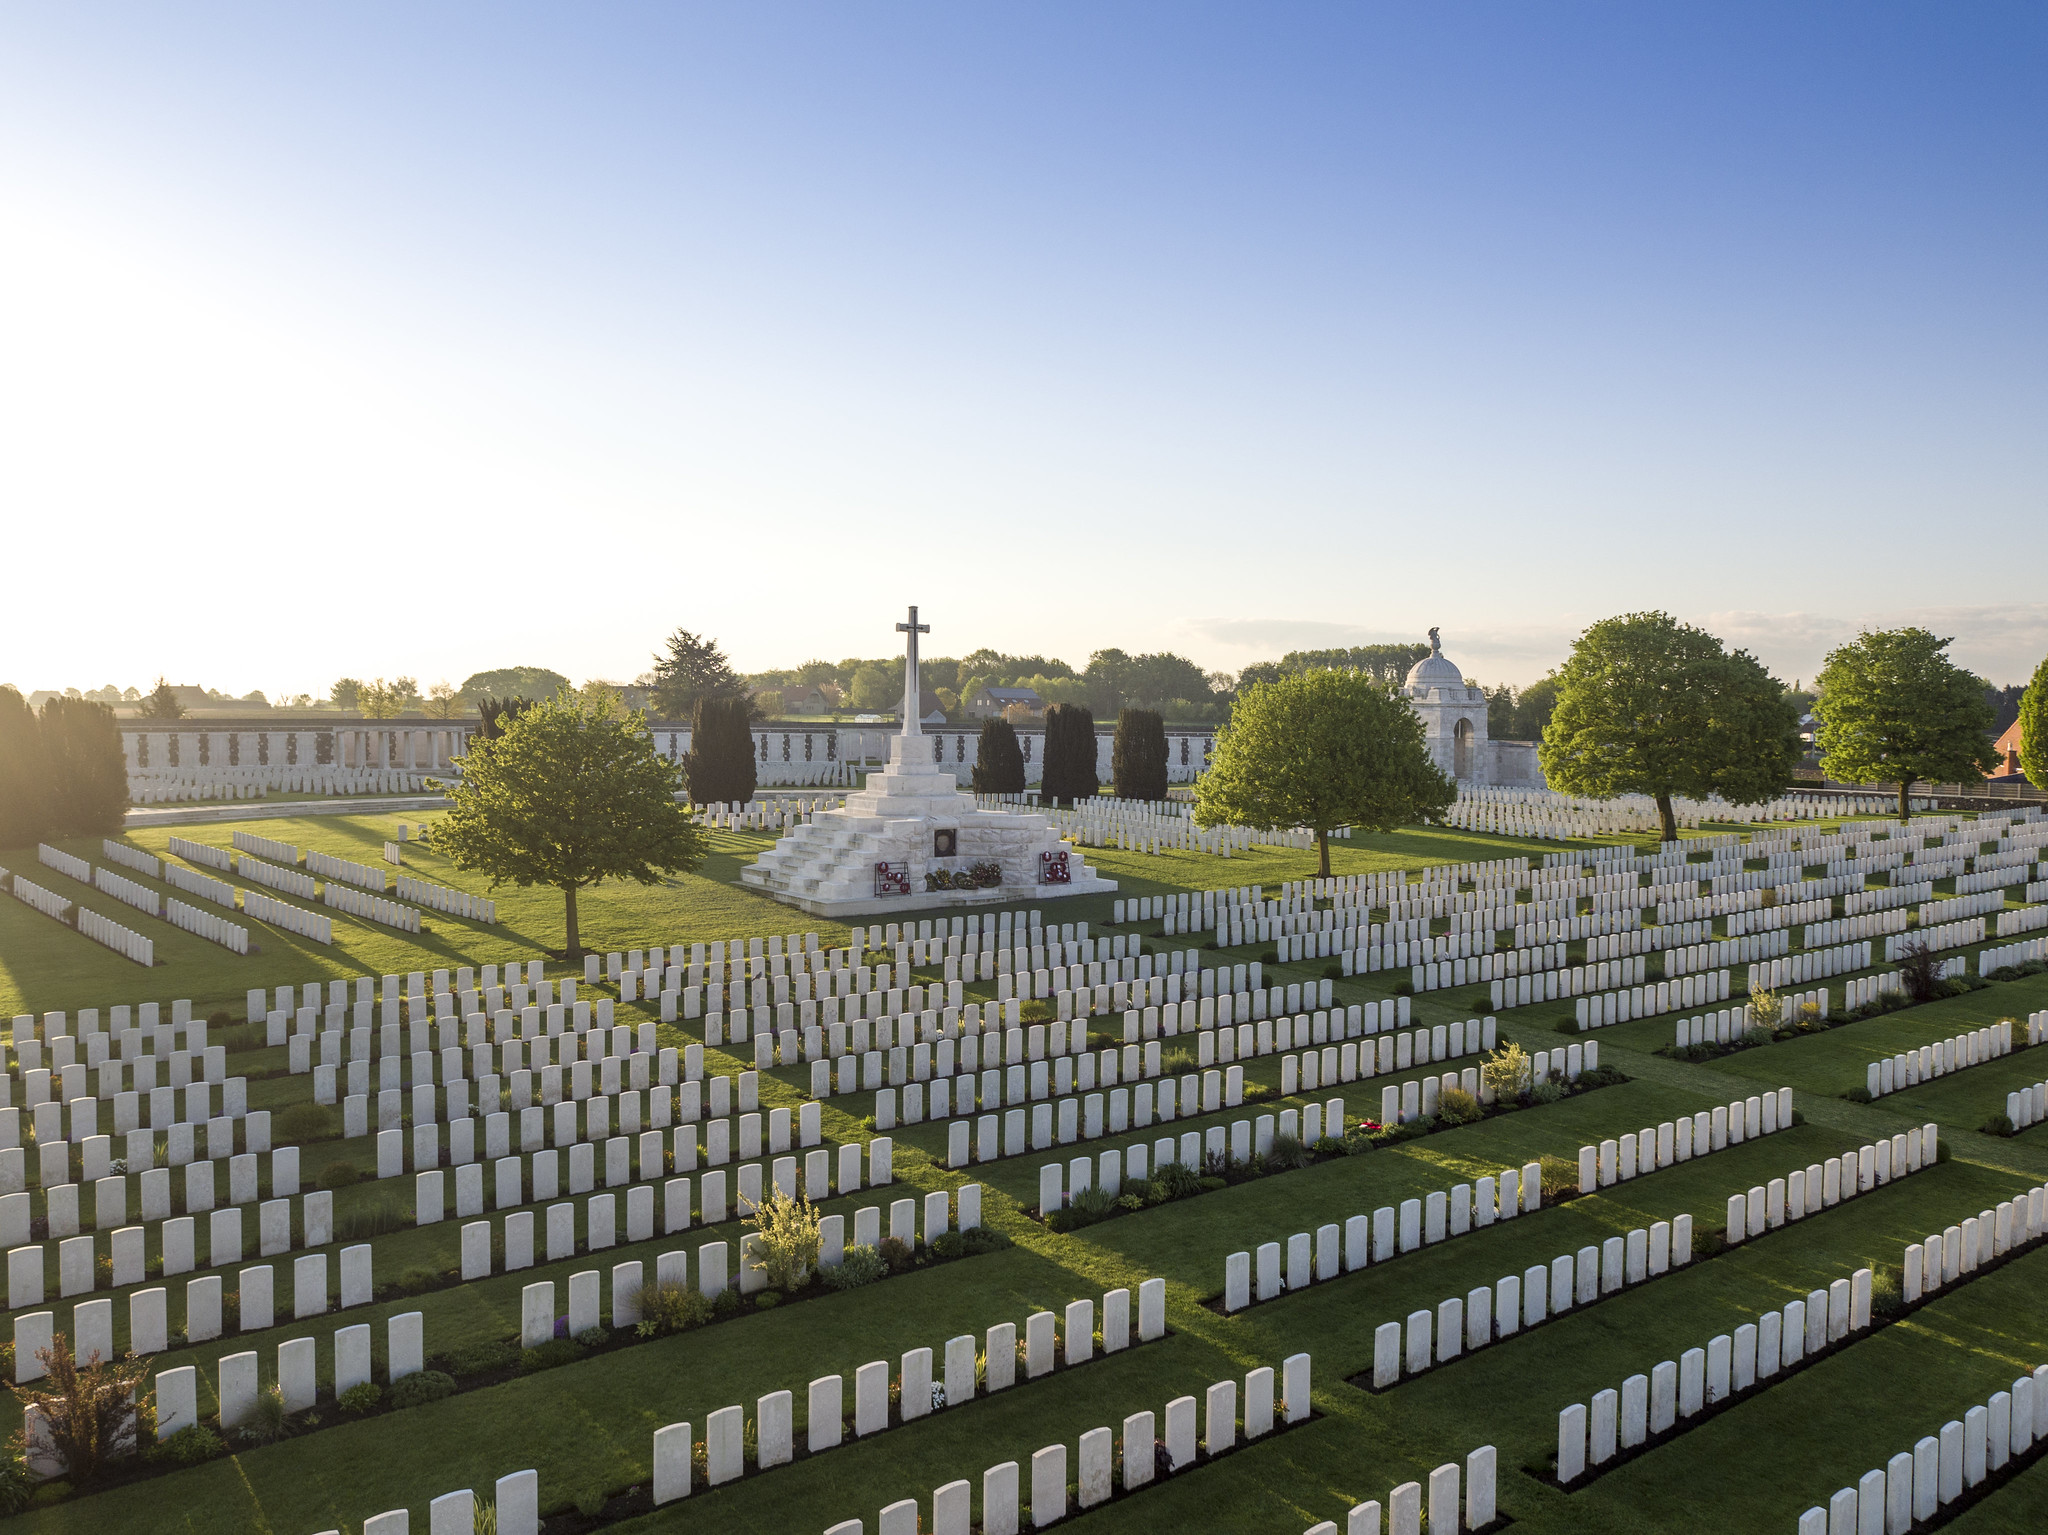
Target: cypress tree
point(23, 783)
point(86, 772)
point(494, 714)
point(1069, 754)
point(719, 766)
point(1137, 761)
point(998, 759)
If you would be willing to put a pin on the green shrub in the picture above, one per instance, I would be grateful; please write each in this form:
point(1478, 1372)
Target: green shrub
point(544, 1356)
point(17, 1485)
point(303, 1122)
point(339, 1174)
point(1404, 988)
point(415, 1280)
point(1212, 1184)
point(1287, 1153)
point(726, 1303)
point(362, 1398)
point(1603, 1075)
point(267, 1422)
point(1549, 1090)
point(1331, 1146)
point(1333, 972)
point(1177, 1180)
point(421, 1387)
point(947, 1245)
point(1084, 1209)
point(1269, 957)
point(593, 1337)
point(1887, 1291)
point(895, 1252)
point(1858, 1095)
point(672, 1308)
point(1568, 1026)
point(1455, 1106)
point(590, 1501)
point(1997, 1124)
point(372, 1220)
point(857, 1266)
point(1559, 1176)
point(481, 1358)
point(983, 1239)
point(767, 1300)
point(190, 1445)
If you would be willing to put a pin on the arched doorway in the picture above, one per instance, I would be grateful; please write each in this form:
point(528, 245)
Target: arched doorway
point(1461, 749)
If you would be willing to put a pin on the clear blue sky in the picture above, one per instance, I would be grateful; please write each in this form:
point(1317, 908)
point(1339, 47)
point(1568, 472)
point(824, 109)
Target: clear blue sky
point(424, 338)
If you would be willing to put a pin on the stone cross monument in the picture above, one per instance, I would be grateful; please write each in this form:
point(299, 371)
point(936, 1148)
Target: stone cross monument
point(909, 840)
point(913, 696)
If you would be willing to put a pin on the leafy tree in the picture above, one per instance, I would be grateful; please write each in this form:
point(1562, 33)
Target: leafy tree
point(162, 703)
point(1500, 712)
point(719, 766)
point(1147, 681)
point(513, 682)
point(815, 673)
point(1137, 759)
point(1647, 705)
point(2033, 718)
point(1893, 707)
point(88, 1408)
point(874, 689)
point(87, 784)
point(2005, 705)
point(24, 778)
point(379, 700)
point(569, 794)
point(689, 669)
point(1068, 773)
point(346, 692)
point(1388, 663)
point(1322, 749)
point(998, 759)
point(1533, 707)
point(444, 702)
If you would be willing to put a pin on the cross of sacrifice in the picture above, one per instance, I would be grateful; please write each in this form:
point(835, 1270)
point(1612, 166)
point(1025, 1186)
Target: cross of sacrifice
point(911, 692)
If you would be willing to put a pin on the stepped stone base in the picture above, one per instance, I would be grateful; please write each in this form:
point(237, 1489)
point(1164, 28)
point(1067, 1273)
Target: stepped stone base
point(902, 818)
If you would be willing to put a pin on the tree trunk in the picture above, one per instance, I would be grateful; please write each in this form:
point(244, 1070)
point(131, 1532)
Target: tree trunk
point(1323, 843)
point(572, 948)
point(1670, 820)
point(1905, 800)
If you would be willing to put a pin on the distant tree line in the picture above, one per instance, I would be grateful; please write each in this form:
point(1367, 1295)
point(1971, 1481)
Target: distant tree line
point(62, 773)
point(1112, 681)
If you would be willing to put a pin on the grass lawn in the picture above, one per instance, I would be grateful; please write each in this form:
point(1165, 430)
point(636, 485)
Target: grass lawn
point(587, 1426)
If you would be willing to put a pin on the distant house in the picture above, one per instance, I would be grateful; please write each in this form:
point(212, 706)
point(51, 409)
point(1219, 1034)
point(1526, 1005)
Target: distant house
point(929, 710)
point(2008, 748)
point(1009, 702)
point(825, 698)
